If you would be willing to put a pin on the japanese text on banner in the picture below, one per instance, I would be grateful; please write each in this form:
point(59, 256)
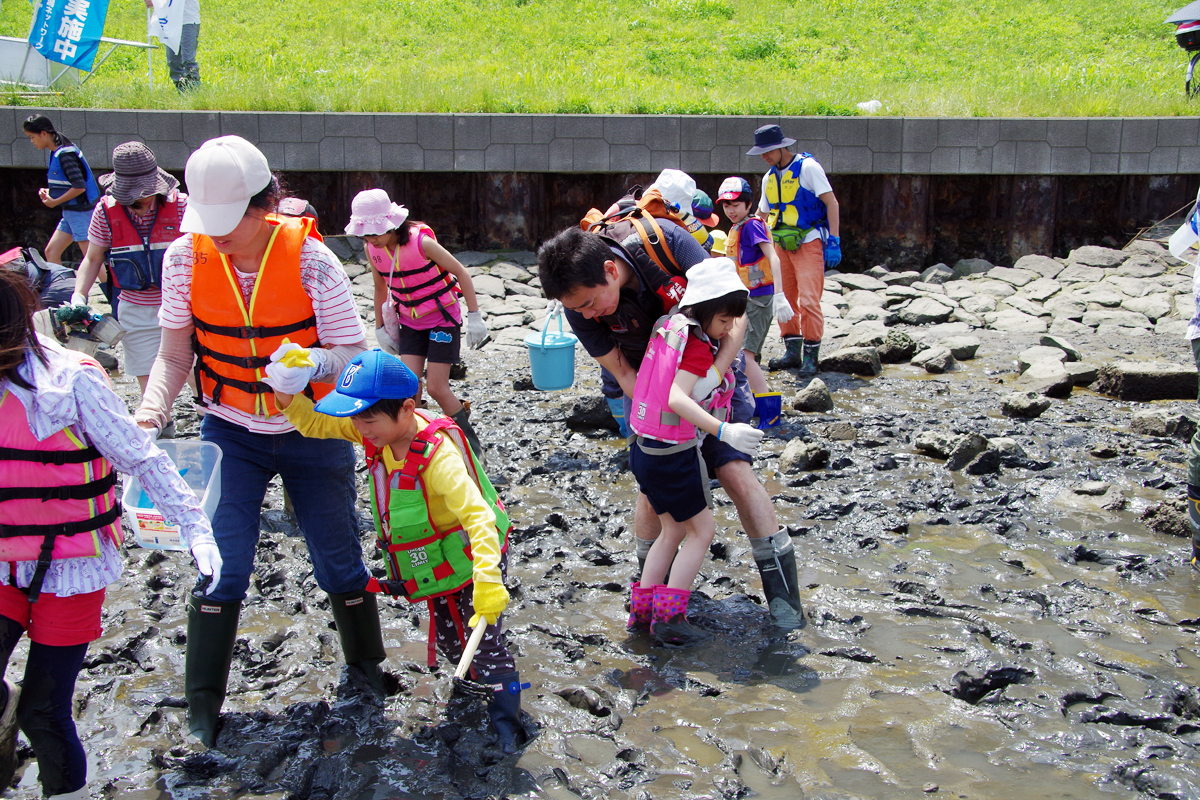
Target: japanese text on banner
point(69, 31)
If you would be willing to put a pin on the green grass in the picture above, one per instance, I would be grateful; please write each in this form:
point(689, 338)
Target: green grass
point(931, 58)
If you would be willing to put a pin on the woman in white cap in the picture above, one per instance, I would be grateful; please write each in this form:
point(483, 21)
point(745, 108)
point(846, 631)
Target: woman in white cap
point(417, 286)
point(684, 392)
point(135, 221)
point(243, 283)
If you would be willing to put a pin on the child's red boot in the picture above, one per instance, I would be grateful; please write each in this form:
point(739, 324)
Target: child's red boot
point(669, 624)
point(641, 605)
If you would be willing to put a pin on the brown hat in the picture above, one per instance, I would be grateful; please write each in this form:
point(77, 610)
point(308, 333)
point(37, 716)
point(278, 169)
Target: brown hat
point(136, 174)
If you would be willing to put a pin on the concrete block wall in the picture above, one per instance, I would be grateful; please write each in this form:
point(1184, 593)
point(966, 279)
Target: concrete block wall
point(629, 144)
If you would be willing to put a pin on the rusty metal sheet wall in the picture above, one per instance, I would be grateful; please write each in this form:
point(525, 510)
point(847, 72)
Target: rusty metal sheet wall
point(905, 221)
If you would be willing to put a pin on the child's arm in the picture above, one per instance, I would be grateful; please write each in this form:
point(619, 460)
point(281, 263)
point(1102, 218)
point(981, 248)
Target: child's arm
point(447, 478)
point(299, 411)
point(381, 294)
point(736, 434)
point(444, 259)
point(730, 346)
point(768, 249)
point(780, 304)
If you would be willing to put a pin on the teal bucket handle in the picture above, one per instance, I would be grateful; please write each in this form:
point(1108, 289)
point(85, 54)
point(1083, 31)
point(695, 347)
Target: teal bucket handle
point(558, 315)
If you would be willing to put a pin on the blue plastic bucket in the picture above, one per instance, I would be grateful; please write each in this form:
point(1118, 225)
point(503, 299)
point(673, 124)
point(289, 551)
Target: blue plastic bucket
point(552, 357)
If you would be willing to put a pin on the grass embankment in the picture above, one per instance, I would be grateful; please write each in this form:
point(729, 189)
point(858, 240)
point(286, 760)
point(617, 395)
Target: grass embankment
point(932, 58)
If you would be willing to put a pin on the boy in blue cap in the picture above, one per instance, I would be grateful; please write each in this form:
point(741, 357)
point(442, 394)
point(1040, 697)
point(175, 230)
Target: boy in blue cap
point(439, 522)
point(802, 213)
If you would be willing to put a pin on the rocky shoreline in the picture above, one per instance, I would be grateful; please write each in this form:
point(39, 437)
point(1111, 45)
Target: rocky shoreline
point(992, 566)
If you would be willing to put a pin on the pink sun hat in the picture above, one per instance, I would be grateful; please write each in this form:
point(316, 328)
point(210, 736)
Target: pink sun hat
point(372, 213)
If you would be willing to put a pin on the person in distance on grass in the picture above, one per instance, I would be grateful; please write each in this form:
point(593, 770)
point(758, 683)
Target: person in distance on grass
point(749, 244)
point(427, 490)
point(417, 286)
point(613, 293)
point(800, 209)
point(63, 431)
point(684, 392)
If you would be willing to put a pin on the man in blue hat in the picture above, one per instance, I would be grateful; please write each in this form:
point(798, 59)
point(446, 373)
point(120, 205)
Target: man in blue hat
point(802, 214)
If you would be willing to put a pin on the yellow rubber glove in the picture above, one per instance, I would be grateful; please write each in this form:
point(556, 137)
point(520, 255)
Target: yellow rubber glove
point(296, 358)
point(489, 600)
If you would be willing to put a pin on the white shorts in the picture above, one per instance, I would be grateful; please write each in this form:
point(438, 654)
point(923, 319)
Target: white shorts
point(142, 335)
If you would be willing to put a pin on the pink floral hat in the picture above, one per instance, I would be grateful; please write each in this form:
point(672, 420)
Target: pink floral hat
point(372, 212)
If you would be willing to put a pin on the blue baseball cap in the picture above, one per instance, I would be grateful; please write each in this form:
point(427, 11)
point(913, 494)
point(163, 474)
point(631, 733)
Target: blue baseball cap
point(368, 378)
point(702, 209)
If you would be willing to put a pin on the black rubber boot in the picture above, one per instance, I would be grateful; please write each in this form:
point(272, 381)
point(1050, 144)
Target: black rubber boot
point(460, 419)
point(505, 712)
point(793, 354)
point(356, 615)
point(8, 733)
point(809, 365)
point(211, 633)
point(781, 586)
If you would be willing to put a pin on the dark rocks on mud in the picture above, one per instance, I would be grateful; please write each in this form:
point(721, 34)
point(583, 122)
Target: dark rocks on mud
point(591, 413)
point(1147, 380)
point(897, 348)
point(965, 449)
point(1169, 518)
point(814, 397)
point(1027, 405)
point(1163, 423)
point(853, 361)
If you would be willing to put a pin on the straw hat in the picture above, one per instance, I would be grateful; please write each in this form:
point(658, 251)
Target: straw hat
point(136, 174)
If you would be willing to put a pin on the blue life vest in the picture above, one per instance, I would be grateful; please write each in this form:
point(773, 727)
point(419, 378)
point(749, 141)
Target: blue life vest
point(58, 184)
point(792, 205)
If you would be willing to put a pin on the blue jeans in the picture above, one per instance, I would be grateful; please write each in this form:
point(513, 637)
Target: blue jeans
point(182, 65)
point(319, 476)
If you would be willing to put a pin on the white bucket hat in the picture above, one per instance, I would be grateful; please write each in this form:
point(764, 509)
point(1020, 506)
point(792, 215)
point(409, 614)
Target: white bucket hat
point(710, 279)
point(373, 213)
point(221, 178)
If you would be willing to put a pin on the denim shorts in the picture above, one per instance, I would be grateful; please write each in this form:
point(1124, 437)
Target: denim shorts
point(75, 223)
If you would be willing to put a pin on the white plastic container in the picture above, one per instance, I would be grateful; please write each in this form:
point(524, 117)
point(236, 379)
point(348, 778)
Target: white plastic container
point(200, 465)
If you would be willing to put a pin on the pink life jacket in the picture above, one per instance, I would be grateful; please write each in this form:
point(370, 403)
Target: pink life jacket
point(652, 417)
point(58, 496)
point(417, 285)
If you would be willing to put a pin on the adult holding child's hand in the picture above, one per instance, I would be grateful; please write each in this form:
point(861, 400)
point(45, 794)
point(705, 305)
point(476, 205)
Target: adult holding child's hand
point(255, 289)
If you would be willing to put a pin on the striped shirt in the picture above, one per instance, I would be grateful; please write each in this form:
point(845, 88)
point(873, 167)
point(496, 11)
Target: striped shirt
point(324, 281)
point(70, 394)
point(100, 235)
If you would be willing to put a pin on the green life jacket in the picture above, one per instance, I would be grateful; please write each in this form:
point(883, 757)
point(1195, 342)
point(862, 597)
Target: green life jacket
point(431, 562)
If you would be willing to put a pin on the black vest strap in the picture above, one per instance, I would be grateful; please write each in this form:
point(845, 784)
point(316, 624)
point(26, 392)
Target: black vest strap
point(259, 332)
point(56, 457)
point(63, 528)
point(84, 491)
point(247, 362)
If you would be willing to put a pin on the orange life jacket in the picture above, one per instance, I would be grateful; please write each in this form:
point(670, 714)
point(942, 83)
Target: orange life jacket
point(234, 343)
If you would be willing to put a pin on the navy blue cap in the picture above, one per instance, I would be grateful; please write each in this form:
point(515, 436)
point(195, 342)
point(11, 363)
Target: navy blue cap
point(768, 138)
point(368, 378)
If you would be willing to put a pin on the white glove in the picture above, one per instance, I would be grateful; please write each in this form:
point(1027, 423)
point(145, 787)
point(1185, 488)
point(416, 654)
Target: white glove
point(78, 300)
point(553, 307)
point(783, 309)
point(385, 342)
point(291, 380)
point(208, 561)
point(476, 329)
point(741, 436)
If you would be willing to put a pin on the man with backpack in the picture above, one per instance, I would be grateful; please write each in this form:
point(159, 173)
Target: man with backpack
point(614, 281)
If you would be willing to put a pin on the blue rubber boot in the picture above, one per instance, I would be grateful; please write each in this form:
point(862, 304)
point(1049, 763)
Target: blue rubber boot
point(505, 712)
point(616, 406)
point(1193, 501)
point(768, 407)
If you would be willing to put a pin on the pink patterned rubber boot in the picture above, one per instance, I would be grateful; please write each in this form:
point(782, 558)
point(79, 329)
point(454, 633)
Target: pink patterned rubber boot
point(641, 604)
point(669, 624)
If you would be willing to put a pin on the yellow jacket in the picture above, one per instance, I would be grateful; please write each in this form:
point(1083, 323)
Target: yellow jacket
point(453, 496)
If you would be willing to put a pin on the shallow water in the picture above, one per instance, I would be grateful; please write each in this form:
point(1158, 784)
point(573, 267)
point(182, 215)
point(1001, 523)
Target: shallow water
point(996, 636)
